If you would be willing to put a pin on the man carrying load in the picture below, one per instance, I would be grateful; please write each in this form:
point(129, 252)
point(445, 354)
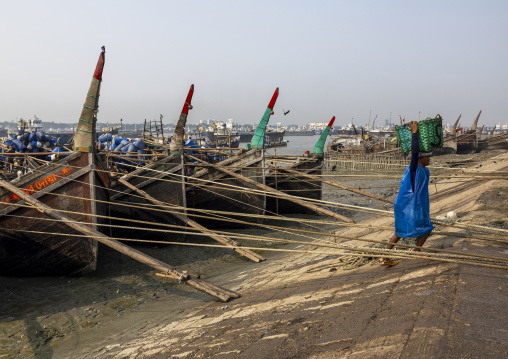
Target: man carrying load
point(412, 207)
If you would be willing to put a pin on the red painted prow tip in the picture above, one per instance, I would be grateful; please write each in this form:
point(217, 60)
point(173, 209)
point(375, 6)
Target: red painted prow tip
point(331, 122)
point(188, 100)
point(100, 65)
point(274, 98)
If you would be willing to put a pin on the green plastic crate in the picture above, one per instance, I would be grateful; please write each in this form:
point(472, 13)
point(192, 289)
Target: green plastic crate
point(430, 135)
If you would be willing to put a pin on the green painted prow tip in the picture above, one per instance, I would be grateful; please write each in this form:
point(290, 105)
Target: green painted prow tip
point(318, 150)
point(258, 140)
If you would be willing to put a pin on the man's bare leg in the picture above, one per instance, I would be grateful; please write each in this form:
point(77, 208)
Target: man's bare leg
point(420, 241)
point(393, 240)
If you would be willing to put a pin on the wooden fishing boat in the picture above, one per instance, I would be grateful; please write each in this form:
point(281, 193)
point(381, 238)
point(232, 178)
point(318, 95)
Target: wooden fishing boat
point(213, 189)
point(468, 142)
point(161, 179)
point(156, 194)
point(298, 185)
point(494, 142)
point(34, 245)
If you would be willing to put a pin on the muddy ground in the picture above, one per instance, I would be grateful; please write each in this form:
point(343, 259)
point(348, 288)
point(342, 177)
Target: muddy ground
point(293, 304)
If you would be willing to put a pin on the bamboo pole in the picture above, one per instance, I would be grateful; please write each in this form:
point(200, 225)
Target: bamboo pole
point(287, 196)
point(169, 271)
point(339, 185)
point(221, 239)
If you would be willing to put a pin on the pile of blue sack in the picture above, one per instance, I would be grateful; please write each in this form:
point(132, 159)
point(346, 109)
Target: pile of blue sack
point(32, 142)
point(123, 147)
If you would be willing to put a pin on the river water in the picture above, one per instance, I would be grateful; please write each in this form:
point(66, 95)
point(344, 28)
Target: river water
point(297, 145)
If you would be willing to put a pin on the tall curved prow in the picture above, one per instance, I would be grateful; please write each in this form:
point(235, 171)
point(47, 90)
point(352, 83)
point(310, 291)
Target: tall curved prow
point(474, 127)
point(176, 145)
point(73, 183)
point(258, 140)
point(84, 139)
point(453, 131)
point(318, 150)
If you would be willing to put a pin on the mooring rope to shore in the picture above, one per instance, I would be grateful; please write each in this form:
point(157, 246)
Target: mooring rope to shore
point(327, 243)
point(369, 210)
point(387, 213)
point(484, 261)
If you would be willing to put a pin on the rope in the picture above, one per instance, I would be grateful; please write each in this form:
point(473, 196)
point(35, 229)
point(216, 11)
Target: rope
point(335, 245)
point(372, 252)
point(365, 209)
point(79, 129)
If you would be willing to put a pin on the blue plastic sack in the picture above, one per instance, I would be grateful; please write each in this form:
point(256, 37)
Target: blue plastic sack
point(412, 210)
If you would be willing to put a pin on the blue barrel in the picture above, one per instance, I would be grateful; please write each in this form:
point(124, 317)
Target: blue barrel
point(105, 137)
point(139, 144)
point(130, 148)
point(17, 144)
point(118, 140)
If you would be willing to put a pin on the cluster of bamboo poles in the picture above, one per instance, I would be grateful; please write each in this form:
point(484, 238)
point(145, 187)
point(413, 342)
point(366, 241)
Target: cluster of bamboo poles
point(314, 227)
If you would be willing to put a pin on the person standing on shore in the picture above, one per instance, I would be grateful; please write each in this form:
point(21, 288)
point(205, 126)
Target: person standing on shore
point(412, 207)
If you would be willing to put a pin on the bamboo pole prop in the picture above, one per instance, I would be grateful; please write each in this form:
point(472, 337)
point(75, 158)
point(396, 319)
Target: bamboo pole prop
point(336, 184)
point(287, 196)
point(221, 239)
point(169, 271)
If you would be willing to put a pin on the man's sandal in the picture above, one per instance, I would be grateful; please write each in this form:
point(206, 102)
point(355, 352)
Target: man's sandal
point(388, 262)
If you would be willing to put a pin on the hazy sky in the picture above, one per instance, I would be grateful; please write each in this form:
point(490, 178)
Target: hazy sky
point(342, 58)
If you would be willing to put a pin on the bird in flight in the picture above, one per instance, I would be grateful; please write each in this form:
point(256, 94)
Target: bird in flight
point(285, 112)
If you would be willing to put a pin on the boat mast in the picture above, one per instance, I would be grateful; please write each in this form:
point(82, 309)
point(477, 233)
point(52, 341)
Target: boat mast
point(84, 138)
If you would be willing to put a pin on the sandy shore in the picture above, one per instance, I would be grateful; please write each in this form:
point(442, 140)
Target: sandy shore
point(293, 305)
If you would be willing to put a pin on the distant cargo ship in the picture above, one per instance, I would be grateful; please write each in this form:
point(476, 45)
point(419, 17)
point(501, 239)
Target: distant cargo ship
point(245, 136)
point(300, 133)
